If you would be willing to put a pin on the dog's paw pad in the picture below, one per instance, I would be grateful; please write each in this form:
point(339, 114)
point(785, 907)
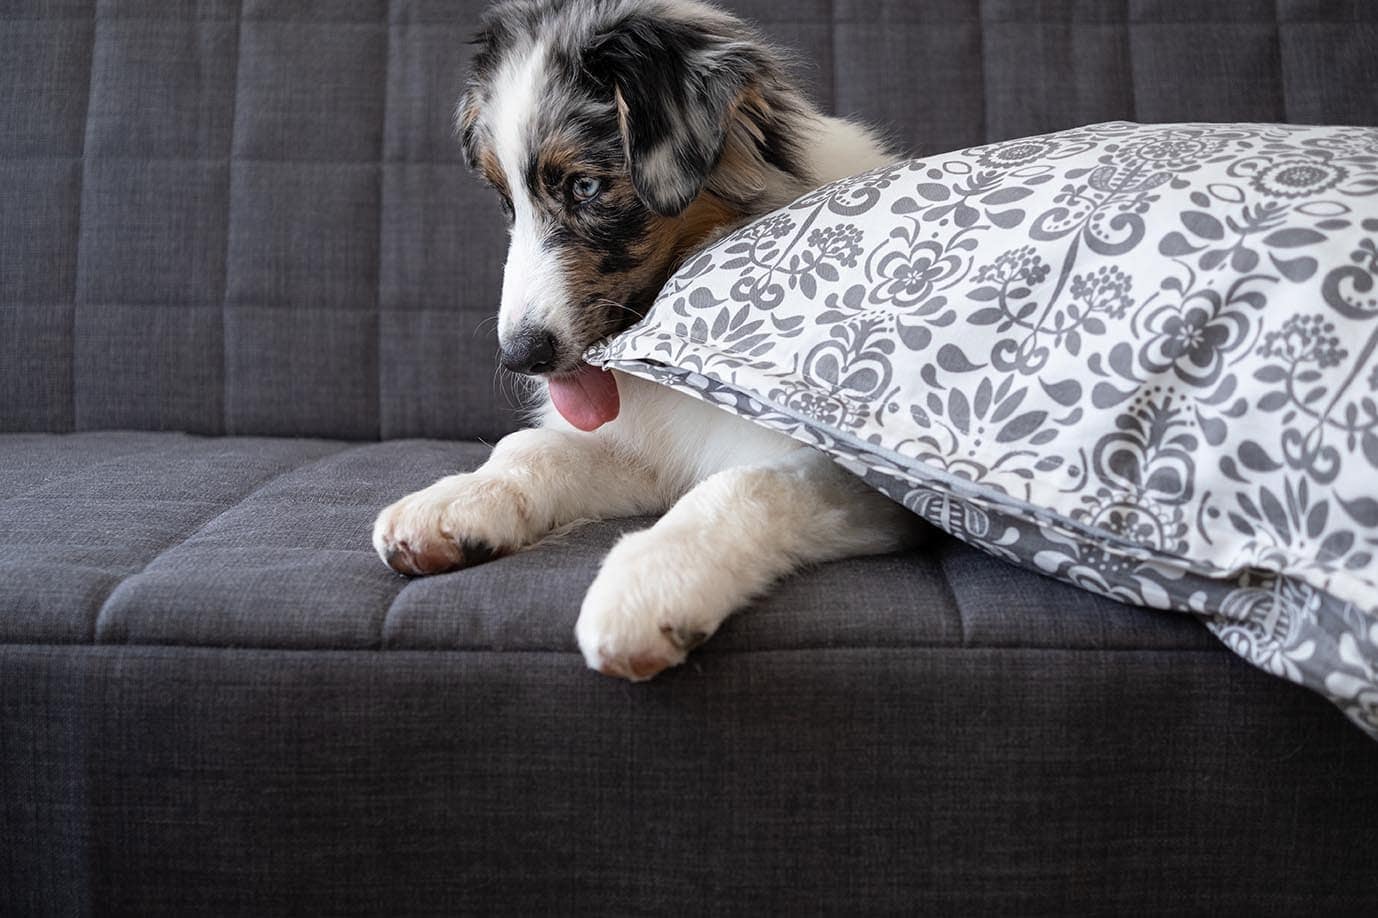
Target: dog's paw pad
point(477, 551)
point(685, 639)
point(635, 668)
point(434, 556)
point(635, 625)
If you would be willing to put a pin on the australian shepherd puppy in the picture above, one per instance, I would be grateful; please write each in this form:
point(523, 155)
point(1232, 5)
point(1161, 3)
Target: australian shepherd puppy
point(623, 135)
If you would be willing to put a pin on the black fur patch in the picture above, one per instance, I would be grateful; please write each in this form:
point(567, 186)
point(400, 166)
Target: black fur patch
point(637, 305)
point(780, 147)
point(477, 551)
point(677, 98)
point(615, 232)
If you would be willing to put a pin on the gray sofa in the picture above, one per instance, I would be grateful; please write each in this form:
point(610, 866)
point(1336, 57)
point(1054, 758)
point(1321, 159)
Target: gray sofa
point(242, 275)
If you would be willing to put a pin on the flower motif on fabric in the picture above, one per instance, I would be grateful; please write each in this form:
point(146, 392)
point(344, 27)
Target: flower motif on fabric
point(776, 226)
point(1305, 339)
point(1016, 152)
point(1297, 178)
point(908, 277)
point(1022, 264)
point(840, 244)
point(1141, 359)
point(1174, 149)
point(825, 407)
point(1105, 290)
point(1196, 331)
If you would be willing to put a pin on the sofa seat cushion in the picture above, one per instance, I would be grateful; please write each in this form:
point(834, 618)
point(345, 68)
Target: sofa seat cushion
point(161, 538)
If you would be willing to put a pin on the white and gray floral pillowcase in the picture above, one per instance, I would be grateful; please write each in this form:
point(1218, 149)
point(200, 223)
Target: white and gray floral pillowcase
point(1140, 358)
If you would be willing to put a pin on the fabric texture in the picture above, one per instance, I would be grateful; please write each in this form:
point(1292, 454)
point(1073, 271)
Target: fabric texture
point(249, 217)
point(1138, 358)
point(181, 781)
point(129, 538)
point(253, 218)
point(214, 699)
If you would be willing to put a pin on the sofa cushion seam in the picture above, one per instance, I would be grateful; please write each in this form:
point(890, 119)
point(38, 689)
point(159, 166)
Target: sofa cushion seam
point(255, 488)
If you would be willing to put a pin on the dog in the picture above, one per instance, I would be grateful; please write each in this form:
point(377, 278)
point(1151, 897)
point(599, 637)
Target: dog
point(622, 136)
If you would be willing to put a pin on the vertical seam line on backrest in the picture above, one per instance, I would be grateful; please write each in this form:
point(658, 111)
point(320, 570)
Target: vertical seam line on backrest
point(81, 198)
point(1282, 61)
point(229, 224)
point(378, 247)
point(985, 78)
point(1129, 59)
point(832, 58)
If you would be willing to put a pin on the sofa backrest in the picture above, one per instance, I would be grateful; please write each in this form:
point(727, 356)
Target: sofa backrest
point(228, 217)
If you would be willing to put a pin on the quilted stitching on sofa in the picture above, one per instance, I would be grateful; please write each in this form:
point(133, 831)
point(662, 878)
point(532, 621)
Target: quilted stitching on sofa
point(177, 251)
point(153, 538)
point(250, 218)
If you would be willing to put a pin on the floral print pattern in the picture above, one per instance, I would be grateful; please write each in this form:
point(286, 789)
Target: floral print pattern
point(1140, 358)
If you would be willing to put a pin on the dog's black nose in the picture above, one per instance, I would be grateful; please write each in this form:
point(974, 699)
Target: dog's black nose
point(530, 352)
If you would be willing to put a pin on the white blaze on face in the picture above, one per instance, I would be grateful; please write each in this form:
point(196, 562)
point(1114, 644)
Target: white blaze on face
point(533, 289)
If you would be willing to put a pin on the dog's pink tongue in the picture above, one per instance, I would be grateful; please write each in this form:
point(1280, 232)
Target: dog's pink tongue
point(587, 398)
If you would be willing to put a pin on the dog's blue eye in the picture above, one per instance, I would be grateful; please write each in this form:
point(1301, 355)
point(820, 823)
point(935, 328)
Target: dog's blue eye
point(585, 188)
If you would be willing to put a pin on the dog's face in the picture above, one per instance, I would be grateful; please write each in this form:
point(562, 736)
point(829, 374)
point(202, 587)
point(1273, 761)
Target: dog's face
point(620, 134)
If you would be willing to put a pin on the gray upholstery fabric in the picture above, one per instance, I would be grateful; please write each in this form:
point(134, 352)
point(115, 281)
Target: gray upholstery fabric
point(236, 782)
point(173, 781)
point(249, 218)
point(928, 731)
point(252, 218)
point(931, 731)
point(157, 538)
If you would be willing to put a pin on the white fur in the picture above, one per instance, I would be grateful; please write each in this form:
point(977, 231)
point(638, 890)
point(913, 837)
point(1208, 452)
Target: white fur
point(844, 148)
point(745, 505)
point(533, 290)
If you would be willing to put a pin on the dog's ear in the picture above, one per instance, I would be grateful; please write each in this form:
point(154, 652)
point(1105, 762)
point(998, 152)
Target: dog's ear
point(676, 85)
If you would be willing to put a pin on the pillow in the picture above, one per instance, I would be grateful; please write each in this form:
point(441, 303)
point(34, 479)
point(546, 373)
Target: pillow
point(1140, 358)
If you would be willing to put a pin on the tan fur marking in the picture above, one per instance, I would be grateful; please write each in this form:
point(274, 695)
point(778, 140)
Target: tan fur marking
point(665, 245)
point(492, 170)
point(561, 154)
point(704, 218)
point(622, 122)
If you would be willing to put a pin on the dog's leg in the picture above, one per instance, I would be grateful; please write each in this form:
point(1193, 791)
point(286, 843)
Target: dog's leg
point(664, 590)
point(535, 481)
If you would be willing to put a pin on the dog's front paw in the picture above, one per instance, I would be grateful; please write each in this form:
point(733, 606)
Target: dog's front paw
point(457, 522)
point(642, 616)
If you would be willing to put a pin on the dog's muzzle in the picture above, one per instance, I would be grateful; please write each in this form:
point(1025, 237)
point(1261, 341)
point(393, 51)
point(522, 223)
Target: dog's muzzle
point(530, 352)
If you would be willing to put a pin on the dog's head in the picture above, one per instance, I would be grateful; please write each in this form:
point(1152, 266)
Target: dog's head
point(620, 134)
